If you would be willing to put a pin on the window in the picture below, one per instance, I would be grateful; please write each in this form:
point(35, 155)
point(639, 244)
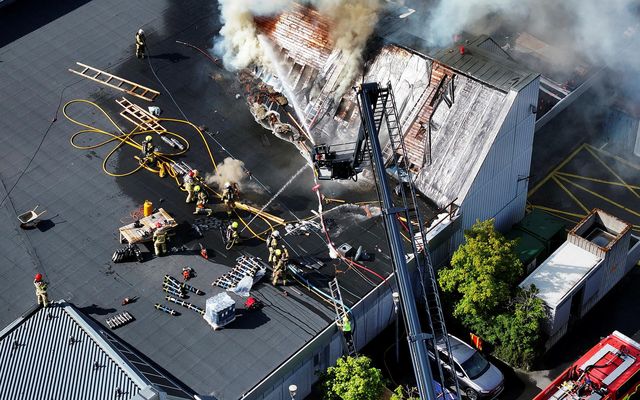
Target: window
point(475, 366)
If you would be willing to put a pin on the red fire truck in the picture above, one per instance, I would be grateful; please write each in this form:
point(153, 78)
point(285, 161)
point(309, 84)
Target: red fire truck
point(609, 371)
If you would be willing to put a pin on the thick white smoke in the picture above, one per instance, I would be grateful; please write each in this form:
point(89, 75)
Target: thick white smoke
point(352, 21)
point(230, 170)
point(607, 32)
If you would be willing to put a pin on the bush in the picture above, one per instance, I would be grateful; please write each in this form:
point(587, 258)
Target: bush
point(352, 378)
point(405, 393)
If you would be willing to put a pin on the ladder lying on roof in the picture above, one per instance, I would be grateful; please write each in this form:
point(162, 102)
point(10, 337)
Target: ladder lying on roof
point(138, 116)
point(115, 82)
point(341, 311)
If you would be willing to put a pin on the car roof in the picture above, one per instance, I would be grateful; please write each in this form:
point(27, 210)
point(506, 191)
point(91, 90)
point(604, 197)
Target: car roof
point(460, 351)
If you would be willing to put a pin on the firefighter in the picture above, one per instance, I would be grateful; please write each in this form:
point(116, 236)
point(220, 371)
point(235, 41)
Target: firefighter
point(202, 200)
point(280, 267)
point(272, 244)
point(232, 234)
point(189, 184)
point(147, 150)
point(160, 240)
point(140, 44)
point(229, 196)
point(346, 330)
point(41, 290)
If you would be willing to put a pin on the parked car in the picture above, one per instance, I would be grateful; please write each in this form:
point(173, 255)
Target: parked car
point(477, 377)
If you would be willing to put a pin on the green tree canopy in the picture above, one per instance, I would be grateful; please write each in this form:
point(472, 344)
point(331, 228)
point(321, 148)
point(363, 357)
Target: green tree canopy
point(353, 378)
point(518, 332)
point(483, 273)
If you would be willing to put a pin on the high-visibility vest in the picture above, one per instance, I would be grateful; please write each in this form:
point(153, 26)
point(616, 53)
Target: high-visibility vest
point(346, 325)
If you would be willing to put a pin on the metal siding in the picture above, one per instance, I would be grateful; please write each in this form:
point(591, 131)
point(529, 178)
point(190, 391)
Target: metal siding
point(561, 315)
point(526, 97)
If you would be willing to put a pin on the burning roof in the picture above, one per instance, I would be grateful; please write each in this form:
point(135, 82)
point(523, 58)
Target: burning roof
point(451, 105)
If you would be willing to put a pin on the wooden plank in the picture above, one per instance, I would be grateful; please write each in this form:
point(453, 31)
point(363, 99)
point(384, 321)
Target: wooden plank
point(131, 234)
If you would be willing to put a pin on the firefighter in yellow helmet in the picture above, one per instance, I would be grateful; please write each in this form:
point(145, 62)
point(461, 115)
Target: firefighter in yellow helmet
point(147, 150)
point(202, 201)
point(232, 234)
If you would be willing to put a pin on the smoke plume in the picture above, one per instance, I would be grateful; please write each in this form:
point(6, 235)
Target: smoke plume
point(230, 170)
point(607, 32)
point(352, 23)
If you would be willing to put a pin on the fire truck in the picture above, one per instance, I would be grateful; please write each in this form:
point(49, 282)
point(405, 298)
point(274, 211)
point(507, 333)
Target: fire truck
point(609, 371)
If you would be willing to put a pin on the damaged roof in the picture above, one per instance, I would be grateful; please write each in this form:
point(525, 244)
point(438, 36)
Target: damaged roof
point(451, 104)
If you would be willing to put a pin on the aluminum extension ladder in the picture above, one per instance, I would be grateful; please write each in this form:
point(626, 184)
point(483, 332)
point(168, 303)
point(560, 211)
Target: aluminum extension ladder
point(341, 312)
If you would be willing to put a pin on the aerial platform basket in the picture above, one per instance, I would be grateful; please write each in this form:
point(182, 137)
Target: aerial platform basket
point(30, 218)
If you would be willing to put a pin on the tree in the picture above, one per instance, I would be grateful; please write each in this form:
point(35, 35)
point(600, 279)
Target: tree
point(405, 393)
point(483, 273)
point(519, 332)
point(353, 378)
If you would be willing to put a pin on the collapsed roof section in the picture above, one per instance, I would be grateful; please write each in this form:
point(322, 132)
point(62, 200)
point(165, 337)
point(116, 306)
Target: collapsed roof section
point(451, 105)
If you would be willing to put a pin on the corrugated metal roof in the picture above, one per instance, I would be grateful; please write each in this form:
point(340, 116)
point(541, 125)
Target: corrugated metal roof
point(51, 354)
point(302, 31)
point(486, 66)
point(56, 353)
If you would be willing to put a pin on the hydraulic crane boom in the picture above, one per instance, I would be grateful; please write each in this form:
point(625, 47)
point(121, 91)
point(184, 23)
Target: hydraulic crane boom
point(344, 165)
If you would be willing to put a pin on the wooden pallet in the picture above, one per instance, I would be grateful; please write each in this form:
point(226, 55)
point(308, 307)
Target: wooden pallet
point(115, 82)
point(139, 117)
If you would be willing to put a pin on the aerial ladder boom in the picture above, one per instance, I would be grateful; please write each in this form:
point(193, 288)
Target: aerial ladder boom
point(341, 164)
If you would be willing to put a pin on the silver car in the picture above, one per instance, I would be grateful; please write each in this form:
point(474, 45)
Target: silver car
point(477, 377)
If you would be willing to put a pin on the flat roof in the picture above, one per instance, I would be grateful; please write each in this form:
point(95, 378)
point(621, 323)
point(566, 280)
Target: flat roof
point(559, 273)
point(74, 244)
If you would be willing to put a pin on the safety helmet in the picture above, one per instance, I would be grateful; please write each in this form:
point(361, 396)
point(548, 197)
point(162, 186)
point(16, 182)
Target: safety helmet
point(234, 224)
point(38, 277)
point(227, 184)
point(140, 32)
point(196, 188)
point(345, 319)
point(278, 252)
point(158, 225)
point(195, 172)
point(275, 233)
point(148, 138)
point(191, 174)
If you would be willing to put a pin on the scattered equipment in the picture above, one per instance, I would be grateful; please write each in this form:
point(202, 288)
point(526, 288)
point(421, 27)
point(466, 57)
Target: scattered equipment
point(30, 219)
point(166, 309)
point(185, 304)
point(119, 320)
point(132, 234)
point(246, 266)
point(128, 252)
point(139, 117)
point(172, 282)
point(220, 310)
point(253, 304)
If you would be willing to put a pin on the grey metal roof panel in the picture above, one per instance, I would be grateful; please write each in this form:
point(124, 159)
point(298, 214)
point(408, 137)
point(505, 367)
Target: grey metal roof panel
point(487, 65)
point(38, 360)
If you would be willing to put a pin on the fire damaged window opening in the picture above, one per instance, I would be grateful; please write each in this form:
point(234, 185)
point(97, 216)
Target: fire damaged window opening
point(345, 110)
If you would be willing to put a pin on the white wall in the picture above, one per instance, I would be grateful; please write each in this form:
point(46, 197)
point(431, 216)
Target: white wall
point(500, 188)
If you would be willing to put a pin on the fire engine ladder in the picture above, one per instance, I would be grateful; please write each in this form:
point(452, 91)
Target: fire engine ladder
point(386, 109)
point(341, 311)
point(139, 117)
point(115, 82)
